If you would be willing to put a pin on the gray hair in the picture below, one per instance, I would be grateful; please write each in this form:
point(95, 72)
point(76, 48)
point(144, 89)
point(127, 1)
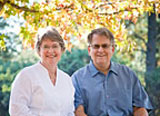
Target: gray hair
point(101, 31)
point(49, 33)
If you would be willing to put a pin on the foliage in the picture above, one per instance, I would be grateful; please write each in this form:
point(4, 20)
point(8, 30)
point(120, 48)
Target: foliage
point(8, 37)
point(71, 61)
point(2, 35)
point(138, 34)
point(4, 88)
point(73, 18)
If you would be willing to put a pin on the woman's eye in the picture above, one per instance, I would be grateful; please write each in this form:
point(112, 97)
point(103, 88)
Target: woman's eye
point(46, 46)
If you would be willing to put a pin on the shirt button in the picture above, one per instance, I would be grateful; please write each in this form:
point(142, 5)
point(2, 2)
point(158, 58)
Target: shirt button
point(107, 96)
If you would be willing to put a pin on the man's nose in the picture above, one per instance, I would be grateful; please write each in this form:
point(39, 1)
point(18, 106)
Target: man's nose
point(101, 48)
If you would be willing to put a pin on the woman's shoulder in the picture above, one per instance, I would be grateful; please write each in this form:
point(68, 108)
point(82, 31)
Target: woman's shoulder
point(29, 68)
point(27, 71)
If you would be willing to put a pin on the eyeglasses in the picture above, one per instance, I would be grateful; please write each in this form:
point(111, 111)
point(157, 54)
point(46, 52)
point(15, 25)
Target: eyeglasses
point(54, 47)
point(104, 46)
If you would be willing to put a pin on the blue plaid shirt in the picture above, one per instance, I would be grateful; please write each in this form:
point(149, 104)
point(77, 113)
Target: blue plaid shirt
point(114, 94)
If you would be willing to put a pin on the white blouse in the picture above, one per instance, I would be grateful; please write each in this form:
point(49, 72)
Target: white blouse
point(33, 93)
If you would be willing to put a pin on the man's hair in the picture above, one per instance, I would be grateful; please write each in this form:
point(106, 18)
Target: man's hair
point(103, 32)
point(49, 33)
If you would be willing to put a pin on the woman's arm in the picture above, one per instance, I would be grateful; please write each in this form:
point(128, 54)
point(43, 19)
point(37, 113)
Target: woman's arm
point(20, 96)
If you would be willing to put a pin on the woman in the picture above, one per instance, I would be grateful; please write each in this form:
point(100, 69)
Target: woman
point(42, 89)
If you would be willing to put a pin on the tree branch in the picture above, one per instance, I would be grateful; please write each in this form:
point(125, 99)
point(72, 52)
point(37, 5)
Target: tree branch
point(110, 3)
point(141, 50)
point(2, 4)
point(139, 37)
point(16, 6)
point(22, 7)
point(66, 7)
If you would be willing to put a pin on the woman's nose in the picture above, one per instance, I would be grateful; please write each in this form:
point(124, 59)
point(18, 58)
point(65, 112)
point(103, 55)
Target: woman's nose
point(51, 49)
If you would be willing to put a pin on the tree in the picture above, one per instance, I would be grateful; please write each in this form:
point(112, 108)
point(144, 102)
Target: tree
point(152, 68)
point(76, 17)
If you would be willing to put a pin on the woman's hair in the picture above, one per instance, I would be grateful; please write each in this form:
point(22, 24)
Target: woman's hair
point(101, 31)
point(48, 33)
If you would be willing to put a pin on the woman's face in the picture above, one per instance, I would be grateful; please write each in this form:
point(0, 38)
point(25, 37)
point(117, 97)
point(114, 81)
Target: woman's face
point(50, 52)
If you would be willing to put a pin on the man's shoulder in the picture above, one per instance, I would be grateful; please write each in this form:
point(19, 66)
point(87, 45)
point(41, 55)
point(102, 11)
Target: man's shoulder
point(120, 67)
point(123, 70)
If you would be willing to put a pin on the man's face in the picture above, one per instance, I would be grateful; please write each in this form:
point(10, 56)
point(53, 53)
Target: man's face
point(101, 51)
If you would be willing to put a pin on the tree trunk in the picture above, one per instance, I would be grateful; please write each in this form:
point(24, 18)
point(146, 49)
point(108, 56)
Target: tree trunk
point(151, 44)
point(151, 55)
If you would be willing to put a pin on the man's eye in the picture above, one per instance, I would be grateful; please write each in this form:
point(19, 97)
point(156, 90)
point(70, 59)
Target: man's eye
point(96, 46)
point(105, 46)
point(55, 46)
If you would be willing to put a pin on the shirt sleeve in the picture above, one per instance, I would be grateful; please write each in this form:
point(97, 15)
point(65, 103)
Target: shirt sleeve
point(140, 96)
point(78, 96)
point(20, 97)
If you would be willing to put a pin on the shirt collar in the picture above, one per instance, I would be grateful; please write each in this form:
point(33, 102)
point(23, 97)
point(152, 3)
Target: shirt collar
point(113, 68)
point(94, 71)
point(43, 68)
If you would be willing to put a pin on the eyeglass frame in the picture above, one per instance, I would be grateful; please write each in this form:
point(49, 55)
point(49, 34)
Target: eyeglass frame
point(54, 47)
point(97, 46)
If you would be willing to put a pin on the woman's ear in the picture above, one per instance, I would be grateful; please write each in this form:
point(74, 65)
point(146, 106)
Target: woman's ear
point(38, 52)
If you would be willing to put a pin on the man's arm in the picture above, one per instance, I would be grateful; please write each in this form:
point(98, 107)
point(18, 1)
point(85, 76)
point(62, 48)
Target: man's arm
point(80, 111)
point(138, 111)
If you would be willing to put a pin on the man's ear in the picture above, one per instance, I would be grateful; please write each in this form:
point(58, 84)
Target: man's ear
point(89, 50)
point(113, 48)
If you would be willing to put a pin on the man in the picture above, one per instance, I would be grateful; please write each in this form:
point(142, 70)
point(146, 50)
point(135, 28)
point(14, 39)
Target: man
point(104, 88)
